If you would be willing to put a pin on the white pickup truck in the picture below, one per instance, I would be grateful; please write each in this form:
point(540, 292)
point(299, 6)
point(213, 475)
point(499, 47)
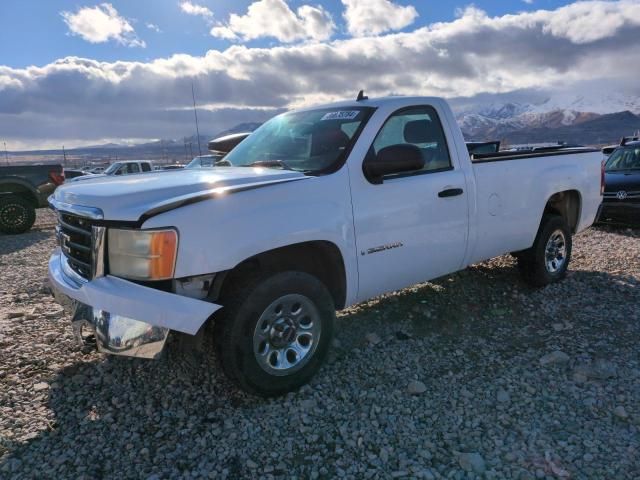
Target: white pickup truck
point(318, 209)
point(126, 167)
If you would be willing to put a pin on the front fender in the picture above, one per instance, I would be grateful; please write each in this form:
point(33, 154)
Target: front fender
point(218, 234)
point(18, 185)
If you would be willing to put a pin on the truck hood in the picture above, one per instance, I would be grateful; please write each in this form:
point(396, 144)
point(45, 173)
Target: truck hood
point(134, 197)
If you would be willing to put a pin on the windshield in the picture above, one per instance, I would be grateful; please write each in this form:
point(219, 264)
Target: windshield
point(312, 141)
point(112, 168)
point(627, 158)
point(204, 161)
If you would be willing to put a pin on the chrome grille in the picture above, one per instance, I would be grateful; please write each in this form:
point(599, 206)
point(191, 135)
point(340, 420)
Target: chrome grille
point(627, 195)
point(75, 238)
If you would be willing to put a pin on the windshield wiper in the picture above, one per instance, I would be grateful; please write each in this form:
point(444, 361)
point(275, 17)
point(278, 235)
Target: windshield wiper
point(269, 163)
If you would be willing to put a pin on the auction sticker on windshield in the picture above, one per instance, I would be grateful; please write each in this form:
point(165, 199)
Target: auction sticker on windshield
point(341, 115)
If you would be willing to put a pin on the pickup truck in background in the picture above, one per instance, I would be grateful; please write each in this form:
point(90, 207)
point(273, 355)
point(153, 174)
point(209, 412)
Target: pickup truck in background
point(23, 188)
point(319, 209)
point(219, 148)
point(226, 143)
point(119, 168)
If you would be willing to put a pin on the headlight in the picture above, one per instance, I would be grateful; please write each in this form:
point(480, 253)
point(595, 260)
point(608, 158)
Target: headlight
point(142, 254)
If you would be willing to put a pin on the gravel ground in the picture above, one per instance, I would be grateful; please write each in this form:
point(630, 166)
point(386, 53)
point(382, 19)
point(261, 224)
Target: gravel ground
point(471, 376)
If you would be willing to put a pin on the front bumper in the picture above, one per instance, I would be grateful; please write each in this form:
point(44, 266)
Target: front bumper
point(125, 318)
point(619, 212)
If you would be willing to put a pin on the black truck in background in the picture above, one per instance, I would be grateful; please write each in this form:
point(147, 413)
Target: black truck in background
point(23, 188)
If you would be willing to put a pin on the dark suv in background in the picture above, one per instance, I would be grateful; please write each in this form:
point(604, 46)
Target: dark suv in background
point(621, 202)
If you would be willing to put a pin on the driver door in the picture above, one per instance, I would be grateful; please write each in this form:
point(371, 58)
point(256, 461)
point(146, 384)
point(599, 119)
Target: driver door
point(413, 226)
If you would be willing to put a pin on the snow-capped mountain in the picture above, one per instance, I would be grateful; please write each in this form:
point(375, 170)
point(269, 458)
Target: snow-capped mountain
point(601, 104)
point(501, 119)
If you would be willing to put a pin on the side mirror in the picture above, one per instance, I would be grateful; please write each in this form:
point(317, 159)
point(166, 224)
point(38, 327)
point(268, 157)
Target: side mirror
point(393, 159)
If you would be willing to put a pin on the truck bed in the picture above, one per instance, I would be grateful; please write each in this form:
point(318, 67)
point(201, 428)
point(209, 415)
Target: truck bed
point(507, 155)
point(513, 188)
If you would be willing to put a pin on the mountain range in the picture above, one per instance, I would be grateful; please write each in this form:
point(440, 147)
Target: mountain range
point(512, 119)
point(162, 151)
point(571, 119)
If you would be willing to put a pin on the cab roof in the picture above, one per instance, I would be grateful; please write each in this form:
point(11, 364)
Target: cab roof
point(398, 100)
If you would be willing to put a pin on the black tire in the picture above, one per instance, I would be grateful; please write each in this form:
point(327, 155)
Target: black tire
point(539, 269)
point(237, 324)
point(17, 214)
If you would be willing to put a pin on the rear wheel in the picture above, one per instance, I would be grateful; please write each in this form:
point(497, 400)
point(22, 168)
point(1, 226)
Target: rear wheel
point(273, 335)
point(17, 214)
point(548, 259)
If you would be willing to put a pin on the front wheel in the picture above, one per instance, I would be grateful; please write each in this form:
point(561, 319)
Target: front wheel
point(548, 259)
point(273, 336)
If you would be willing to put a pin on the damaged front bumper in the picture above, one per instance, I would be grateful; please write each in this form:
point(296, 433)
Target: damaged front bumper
point(122, 317)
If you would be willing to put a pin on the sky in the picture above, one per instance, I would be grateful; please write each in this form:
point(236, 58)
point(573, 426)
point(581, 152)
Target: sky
point(80, 72)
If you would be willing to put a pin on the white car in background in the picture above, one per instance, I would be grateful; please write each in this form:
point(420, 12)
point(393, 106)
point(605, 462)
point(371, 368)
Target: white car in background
point(127, 167)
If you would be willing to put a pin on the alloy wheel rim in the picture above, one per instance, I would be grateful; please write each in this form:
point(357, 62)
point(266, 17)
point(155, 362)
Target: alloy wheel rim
point(555, 251)
point(287, 335)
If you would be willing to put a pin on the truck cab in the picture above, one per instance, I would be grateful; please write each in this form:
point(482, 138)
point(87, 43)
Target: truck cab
point(128, 167)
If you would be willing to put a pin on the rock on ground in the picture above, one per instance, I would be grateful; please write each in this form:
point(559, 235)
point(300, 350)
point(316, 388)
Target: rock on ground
point(472, 462)
point(554, 357)
point(416, 387)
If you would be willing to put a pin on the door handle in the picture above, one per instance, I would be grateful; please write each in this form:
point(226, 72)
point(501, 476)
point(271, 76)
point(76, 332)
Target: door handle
point(450, 192)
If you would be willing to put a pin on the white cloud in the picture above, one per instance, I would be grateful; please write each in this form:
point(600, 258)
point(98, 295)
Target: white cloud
point(100, 24)
point(274, 18)
point(154, 27)
point(475, 53)
point(196, 10)
point(584, 22)
point(373, 17)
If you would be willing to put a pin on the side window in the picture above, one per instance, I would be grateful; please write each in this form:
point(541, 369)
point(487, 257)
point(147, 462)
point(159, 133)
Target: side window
point(146, 167)
point(419, 126)
point(133, 168)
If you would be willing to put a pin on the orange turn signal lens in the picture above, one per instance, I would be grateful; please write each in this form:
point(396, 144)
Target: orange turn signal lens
point(163, 249)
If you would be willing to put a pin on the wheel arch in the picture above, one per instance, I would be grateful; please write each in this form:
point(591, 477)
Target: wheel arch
point(20, 188)
point(567, 204)
point(319, 258)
